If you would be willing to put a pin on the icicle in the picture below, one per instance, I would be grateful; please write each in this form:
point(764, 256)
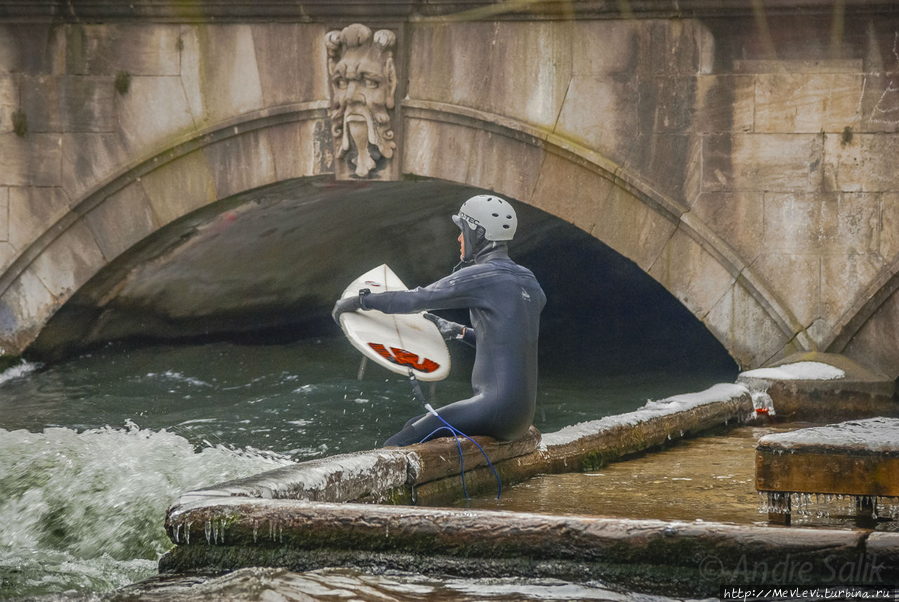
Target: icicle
point(187, 533)
point(207, 528)
point(255, 529)
point(177, 529)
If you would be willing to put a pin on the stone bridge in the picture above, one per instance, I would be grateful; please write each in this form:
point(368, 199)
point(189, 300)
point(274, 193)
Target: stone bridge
point(743, 154)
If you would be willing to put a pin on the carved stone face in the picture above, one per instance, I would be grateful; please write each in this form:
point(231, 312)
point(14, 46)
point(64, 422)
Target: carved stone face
point(363, 84)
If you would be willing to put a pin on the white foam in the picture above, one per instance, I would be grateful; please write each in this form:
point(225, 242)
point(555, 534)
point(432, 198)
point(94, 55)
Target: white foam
point(18, 371)
point(178, 377)
point(75, 502)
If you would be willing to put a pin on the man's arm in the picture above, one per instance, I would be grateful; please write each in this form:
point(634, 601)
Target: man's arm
point(451, 292)
point(455, 291)
point(452, 331)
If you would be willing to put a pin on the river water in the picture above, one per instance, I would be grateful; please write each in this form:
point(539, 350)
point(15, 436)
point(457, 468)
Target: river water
point(93, 450)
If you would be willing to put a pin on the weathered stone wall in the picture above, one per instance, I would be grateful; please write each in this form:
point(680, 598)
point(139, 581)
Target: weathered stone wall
point(751, 181)
point(210, 111)
point(745, 161)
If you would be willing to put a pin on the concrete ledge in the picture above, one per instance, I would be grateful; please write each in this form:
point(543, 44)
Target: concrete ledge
point(288, 518)
point(858, 393)
point(429, 473)
point(382, 475)
point(694, 557)
point(852, 458)
point(591, 445)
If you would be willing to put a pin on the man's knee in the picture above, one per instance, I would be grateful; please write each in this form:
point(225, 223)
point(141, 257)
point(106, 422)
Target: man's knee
point(405, 437)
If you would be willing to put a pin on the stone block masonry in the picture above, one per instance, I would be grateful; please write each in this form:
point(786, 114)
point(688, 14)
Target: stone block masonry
point(750, 171)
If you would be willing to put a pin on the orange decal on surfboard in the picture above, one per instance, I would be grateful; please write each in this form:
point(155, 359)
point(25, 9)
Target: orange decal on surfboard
point(405, 358)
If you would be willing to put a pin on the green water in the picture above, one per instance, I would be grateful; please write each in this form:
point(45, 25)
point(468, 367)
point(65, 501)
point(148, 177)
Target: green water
point(94, 449)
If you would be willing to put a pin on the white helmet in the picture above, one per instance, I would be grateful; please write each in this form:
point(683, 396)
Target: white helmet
point(494, 215)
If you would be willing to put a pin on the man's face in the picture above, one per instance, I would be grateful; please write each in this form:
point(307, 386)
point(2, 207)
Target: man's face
point(461, 240)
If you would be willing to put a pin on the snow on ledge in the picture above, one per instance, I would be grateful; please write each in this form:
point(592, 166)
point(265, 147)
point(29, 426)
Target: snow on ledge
point(873, 434)
point(653, 409)
point(798, 371)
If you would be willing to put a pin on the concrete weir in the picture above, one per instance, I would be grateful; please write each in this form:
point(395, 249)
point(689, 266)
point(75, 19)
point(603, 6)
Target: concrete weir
point(821, 387)
point(856, 459)
point(364, 510)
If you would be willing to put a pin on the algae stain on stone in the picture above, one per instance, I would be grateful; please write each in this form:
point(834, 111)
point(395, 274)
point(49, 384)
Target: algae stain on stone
point(324, 148)
point(846, 137)
point(122, 82)
point(20, 123)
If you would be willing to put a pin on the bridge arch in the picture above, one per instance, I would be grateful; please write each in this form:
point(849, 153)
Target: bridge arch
point(574, 183)
point(868, 330)
point(441, 142)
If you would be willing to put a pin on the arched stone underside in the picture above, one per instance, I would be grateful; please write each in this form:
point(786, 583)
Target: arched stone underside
point(441, 141)
point(243, 153)
point(869, 330)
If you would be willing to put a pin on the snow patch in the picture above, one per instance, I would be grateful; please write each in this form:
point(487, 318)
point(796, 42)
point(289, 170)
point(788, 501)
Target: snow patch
point(652, 409)
point(874, 434)
point(798, 371)
point(379, 470)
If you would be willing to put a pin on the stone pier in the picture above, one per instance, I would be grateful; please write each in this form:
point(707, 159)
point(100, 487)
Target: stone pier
point(820, 388)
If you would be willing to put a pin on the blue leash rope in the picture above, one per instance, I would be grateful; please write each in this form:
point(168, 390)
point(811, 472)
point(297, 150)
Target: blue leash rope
point(416, 392)
point(461, 458)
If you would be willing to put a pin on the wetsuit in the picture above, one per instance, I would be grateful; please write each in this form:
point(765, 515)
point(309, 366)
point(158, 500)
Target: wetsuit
point(504, 302)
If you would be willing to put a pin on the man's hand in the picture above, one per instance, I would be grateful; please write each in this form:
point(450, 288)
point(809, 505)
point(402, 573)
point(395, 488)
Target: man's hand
point(349, 304)
point(449, 330)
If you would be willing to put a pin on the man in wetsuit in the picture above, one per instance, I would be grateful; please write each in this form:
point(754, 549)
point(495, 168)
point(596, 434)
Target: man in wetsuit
point(504, 302)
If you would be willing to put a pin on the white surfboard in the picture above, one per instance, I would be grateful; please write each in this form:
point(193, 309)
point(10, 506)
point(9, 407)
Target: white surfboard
point(396, 341)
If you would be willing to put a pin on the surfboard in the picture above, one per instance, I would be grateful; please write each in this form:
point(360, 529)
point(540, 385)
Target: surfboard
point(397, 342)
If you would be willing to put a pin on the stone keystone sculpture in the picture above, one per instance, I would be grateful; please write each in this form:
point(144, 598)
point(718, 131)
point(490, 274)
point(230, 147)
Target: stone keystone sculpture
point(363, 84)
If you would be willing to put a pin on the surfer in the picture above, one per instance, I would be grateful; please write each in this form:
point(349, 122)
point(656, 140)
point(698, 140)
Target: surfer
point(504, 302)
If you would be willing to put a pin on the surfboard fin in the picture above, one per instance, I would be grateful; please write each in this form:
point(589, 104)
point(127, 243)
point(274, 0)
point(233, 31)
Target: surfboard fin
point(362, 366)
